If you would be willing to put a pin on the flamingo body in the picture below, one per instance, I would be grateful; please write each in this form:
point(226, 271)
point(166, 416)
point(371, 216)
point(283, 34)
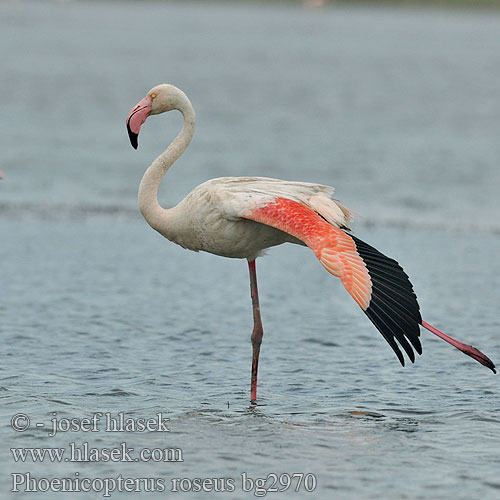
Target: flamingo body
point(216, 217)
point(240, 217)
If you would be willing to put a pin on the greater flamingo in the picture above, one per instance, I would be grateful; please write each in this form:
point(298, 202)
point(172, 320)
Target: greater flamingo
point(239, 217)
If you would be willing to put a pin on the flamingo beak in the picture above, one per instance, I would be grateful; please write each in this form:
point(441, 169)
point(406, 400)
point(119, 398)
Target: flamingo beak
point(137, 117)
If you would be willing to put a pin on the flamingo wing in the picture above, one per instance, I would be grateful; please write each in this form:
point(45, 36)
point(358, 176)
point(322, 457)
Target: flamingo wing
point(376, 282)
point(235, 196)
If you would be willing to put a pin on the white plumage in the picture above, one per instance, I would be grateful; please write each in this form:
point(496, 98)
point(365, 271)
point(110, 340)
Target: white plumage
point(214, 214)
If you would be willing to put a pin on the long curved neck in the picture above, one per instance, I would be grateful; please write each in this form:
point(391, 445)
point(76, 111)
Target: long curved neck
point(155, 215)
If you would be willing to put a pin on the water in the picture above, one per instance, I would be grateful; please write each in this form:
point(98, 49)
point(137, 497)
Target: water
point(396, 108)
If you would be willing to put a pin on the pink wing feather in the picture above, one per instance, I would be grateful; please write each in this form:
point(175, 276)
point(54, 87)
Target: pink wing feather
point(332, 246)
point(377, 283)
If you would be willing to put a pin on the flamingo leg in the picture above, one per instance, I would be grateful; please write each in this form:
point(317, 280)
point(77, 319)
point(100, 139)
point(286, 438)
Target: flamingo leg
point(257, 330)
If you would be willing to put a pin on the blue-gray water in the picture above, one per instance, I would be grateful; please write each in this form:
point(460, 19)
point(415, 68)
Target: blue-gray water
point(399, 109)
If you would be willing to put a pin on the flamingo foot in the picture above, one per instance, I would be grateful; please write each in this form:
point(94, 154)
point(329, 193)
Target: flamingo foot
point(465, 348)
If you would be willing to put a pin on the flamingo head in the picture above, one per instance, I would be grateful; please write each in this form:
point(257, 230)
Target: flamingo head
point(159, 99)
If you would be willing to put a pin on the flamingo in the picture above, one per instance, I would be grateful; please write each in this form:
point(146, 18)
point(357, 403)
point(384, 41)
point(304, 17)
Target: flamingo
point(240, 217)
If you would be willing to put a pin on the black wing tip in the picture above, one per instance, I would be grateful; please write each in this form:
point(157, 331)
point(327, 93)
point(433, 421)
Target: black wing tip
point(133, 137)
point(393, 333)
point(393, 308)
point(400, 357)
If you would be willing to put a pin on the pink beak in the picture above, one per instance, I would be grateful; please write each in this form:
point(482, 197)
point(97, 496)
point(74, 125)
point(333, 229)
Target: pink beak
point(137, 117)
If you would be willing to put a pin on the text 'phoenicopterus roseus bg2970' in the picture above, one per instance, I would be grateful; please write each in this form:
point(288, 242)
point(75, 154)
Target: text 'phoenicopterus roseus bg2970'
point(239, 217)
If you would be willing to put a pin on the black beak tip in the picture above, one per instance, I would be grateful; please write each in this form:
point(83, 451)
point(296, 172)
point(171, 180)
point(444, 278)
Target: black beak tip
point(133, 137)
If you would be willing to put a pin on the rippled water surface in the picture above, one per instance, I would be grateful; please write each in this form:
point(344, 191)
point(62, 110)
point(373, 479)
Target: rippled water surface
point(399, 109)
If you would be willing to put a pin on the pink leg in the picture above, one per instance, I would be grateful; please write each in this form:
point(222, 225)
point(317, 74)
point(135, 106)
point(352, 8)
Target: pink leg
point(466, 349)
point(257, 330)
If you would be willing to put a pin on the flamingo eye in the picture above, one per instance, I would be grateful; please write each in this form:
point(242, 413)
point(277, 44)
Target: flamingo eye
point(153, 95)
